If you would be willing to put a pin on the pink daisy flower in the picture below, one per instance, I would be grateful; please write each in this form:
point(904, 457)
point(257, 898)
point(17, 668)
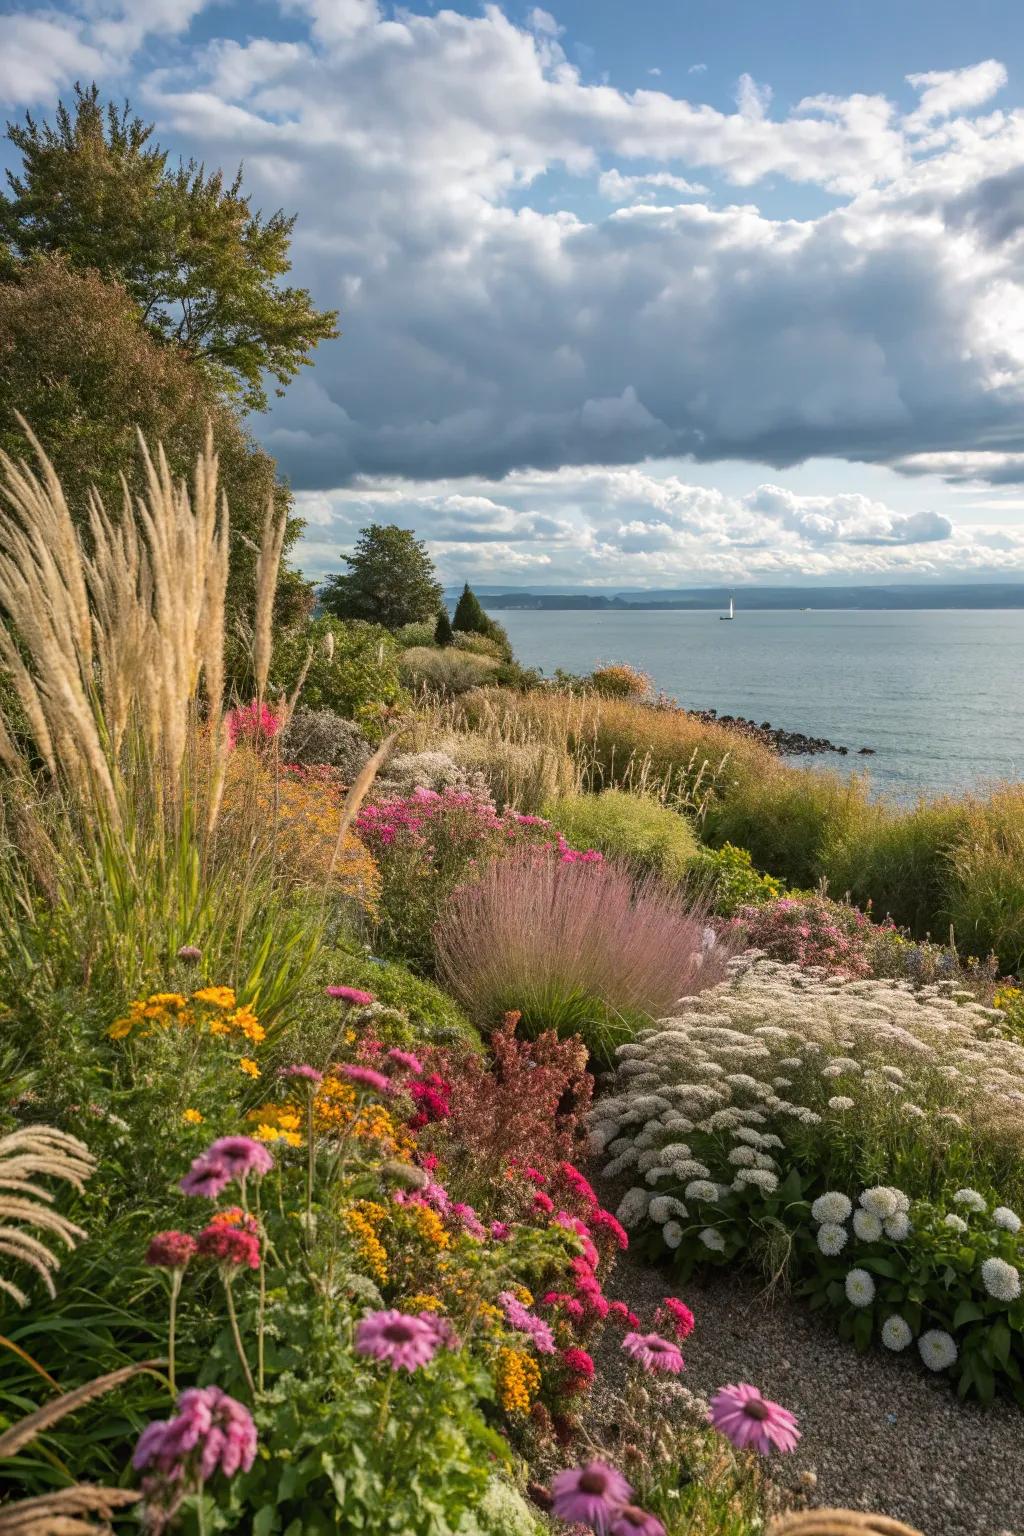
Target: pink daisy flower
point(300, 1069)
point(653, 1352)
point(751, 1421)
point(405, 1341)
point(590, 1495)
point(240, 1155)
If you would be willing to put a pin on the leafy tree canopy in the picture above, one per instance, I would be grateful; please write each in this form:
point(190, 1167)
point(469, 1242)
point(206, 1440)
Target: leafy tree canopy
point(390, 581)
point(79, 365)
point(202, 267)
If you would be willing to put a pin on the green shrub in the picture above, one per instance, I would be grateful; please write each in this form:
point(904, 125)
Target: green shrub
point(984, 901)
point(447, 671)
point(633, 828)
point(898, 861)
point(353, 670)
point(321, 736)
point(728, 879)
point(618, 680)
point(434, 1017)
point(478, 645)
point(419, 632)
point(788, 819)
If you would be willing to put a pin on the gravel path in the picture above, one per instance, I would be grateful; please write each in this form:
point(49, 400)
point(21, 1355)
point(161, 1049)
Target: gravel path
point(878, 1433)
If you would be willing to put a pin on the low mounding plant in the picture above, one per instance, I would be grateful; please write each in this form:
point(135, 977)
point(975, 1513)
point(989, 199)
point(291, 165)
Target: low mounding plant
point(319, 736)
point(756, 1121)
point(574, 947)
point(635, 829)
point(445, 671)
point(810, 931)
point(618, 680)
point(727, 878)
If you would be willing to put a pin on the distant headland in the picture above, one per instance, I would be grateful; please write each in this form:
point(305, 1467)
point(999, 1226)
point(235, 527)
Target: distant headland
point(962, 595)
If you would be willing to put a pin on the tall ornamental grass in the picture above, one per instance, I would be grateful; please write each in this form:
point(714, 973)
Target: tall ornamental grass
point(114, 747)
point(574, 947)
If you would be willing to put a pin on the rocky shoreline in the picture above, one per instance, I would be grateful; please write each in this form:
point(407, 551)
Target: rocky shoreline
point(792, 743)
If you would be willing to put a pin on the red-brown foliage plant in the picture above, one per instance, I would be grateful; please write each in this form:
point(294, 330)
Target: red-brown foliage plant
point(524, 1108)
point(575, 947)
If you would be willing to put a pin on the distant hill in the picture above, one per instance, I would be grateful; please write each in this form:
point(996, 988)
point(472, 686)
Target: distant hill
point(962, 595)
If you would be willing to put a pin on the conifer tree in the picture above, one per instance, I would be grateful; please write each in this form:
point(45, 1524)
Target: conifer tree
point(469, 616)
point(443, 634)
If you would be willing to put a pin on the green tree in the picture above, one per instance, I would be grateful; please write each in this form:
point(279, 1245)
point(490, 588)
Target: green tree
point(79, 365)
point(202, 267)
point(443, 634)
point(390, 580)
point(469, 616)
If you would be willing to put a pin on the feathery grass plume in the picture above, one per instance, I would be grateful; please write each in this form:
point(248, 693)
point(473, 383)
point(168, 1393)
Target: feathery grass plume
point(59, 1513)
point(267, 563)
point(26, 1155)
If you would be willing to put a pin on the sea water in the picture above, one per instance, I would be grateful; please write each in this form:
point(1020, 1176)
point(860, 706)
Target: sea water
point(938, 695)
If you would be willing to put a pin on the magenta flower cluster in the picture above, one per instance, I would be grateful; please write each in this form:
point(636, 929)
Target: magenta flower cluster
point(355, 997)
point(210, 1432)
point(525, 1321)
point(256, 723)
point(418, 819)
point(598, 1496)
point(809, 931)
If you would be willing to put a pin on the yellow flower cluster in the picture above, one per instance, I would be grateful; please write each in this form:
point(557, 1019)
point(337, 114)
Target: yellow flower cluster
point(371, 1250)
point(299, 823)
point(489, 1313)
point(428, 1225)
point(517, 1380)
point(218, 1012)
point(277, 1122)
point(422, 1302)
point(1007, 998)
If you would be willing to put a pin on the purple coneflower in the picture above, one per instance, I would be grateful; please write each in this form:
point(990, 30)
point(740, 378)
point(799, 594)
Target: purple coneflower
point(749, 1420)
point(240, 1155)
point(299, 1069)
point(653, 1352)
point(404, 1340)
point(592, 1495)
point(206, 1177)
point(368, 1077)
point(631, 1520)
point(351, 995)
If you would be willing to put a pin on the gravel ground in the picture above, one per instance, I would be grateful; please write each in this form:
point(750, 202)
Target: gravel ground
point(878, 1433)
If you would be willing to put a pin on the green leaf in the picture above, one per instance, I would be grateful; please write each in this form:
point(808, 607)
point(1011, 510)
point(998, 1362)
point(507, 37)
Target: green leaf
point(1000, 1339)
point(967, 1312)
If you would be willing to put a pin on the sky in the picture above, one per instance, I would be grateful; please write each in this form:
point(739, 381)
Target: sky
point(668, 293)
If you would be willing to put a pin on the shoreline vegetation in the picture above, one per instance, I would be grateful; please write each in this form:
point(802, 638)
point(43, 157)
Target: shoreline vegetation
point(982, 595)
point(341, 957)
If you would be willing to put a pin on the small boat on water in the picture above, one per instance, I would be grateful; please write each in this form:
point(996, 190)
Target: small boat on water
point(725, 617)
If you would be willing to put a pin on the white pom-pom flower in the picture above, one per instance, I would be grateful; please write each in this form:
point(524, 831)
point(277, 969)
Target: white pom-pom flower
point(1000, 1279)
point(833, 1206)
point(867, 1226)
point(883, 1201)
point(672, 1233)
point(633, 1206)
point(832, 1239)
point(956, 1222)
point(860, 1288)
point(937, 1349)
point(712, 1239)
point(970, 1200)
point(896, 1333)
point(840, 1103)
point(663, 1207)
point(1008, 1220)
point(702, 1189)
point(898, 1227)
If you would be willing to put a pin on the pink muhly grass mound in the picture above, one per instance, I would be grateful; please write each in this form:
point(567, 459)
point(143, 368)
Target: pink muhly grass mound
point(571, 946)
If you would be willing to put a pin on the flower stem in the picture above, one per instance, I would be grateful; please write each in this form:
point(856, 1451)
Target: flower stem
point(233, 1316)
point(262, 1304)
point(310, 1163)
point(176, 1275)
